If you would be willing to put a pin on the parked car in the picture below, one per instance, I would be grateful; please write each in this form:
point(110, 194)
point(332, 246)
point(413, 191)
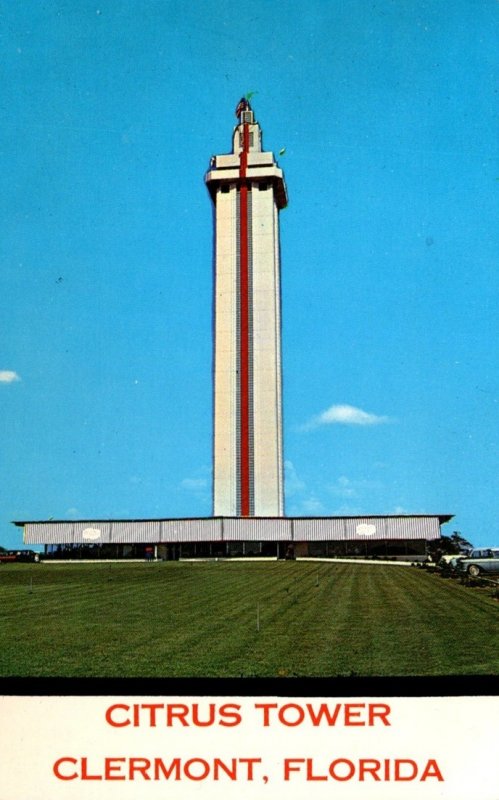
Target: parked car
point(12, 556)
point(449, 558)
point(482, 560)
point(448, 564)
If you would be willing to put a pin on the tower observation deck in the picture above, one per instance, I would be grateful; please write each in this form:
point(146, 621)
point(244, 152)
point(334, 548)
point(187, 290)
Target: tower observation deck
point(248, 190)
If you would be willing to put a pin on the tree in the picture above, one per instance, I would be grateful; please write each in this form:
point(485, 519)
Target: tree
point(448, 545)
point(462, 544)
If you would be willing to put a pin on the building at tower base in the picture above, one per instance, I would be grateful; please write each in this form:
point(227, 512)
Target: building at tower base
point(394, 537)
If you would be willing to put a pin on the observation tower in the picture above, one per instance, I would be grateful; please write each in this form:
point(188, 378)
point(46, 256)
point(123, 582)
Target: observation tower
point(248, 191)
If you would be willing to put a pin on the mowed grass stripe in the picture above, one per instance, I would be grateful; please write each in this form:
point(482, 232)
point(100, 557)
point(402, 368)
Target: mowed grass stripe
point(200, 619)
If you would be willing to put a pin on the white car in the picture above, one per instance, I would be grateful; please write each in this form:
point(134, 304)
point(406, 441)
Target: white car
point(480, 560)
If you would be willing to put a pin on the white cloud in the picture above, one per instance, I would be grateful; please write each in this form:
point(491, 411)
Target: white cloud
point(197, 488)
point(303, 503)
point(8, 376)
point(194, 484)
point(73, 512)
point(292, 482)
point(312, 505)
point(307, 507)
point(344, 487)
point(346, 510)
point(344, 415)
point(347, 488)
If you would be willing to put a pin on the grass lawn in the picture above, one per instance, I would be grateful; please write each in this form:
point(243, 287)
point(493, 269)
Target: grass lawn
point(200, 619)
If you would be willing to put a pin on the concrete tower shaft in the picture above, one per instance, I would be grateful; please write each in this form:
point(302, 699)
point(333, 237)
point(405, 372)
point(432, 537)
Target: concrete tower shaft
point(248, 190)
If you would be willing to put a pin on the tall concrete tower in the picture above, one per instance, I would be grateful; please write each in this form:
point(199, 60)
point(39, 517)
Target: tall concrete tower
point(248, 191)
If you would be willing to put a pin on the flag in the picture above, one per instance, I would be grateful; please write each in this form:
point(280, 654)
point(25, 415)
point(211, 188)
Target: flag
point(243, 105)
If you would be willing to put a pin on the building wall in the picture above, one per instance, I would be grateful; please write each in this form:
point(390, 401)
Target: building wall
point(265, 354)
point(333, 529)
point(225, 363)
point(266, 339)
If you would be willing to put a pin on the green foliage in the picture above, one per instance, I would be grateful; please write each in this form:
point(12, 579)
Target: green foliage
point(442, 547)
point(448, 545)
point(199, 619)
point(460, 542)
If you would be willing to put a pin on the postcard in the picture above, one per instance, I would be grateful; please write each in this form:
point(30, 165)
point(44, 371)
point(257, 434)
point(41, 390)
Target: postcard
point(248, 380)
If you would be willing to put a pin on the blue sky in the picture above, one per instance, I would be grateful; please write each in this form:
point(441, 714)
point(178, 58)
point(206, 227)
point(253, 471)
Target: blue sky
point(388, 113)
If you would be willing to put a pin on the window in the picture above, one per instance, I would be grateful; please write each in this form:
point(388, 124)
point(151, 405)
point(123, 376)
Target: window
point(250, 139)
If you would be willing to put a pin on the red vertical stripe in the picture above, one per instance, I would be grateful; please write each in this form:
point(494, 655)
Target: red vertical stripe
point(244, 365)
